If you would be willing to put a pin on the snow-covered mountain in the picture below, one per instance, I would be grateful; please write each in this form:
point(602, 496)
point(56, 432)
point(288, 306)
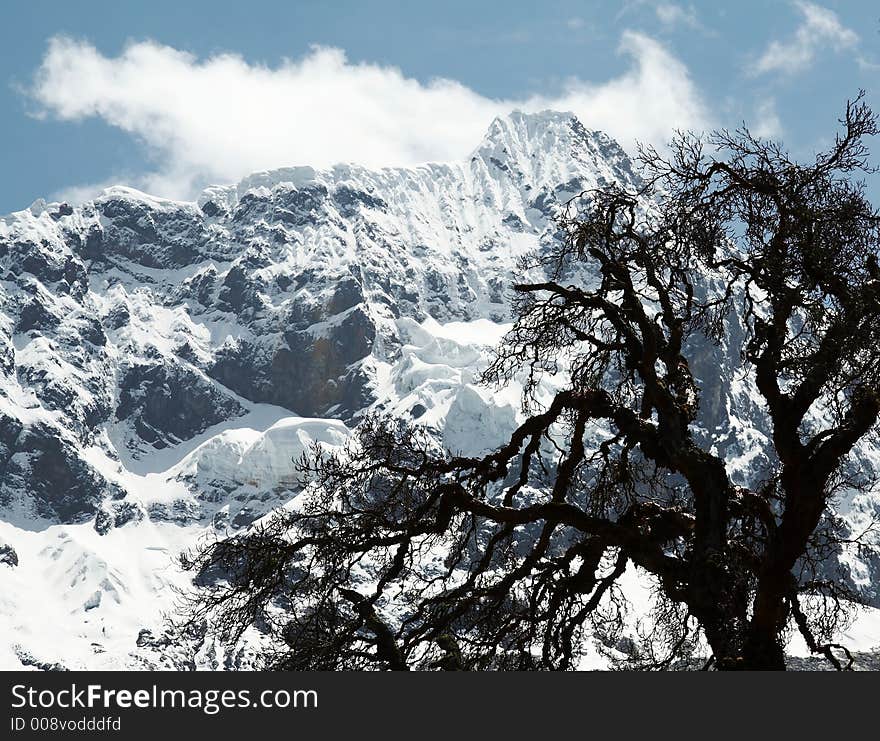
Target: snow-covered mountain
point(162, 362)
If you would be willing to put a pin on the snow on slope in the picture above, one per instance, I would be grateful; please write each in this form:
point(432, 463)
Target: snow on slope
point(81, 599)
point(162, 363)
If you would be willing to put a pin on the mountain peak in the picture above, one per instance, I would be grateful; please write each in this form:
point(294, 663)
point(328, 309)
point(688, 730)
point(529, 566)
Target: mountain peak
point(540, 130)
point(549, 147)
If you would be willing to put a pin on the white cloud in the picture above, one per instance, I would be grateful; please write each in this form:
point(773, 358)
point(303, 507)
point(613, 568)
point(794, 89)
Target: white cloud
point(221, 118)
point(80, 192)
point(767, 123)
point(819, 28)
point(672, 15)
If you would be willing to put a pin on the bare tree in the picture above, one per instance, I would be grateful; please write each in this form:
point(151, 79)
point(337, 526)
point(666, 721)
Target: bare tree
point(402, 555)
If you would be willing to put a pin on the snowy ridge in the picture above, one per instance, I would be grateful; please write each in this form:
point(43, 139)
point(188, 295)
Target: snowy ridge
point(162, 363)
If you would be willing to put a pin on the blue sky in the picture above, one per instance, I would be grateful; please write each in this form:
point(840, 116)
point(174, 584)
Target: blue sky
point(168, 96)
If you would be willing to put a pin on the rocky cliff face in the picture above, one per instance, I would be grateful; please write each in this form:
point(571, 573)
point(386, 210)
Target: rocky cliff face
point(162, 362)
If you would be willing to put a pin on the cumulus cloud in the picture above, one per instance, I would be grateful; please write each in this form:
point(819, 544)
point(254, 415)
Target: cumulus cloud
point(819, 28)
point(221, 118)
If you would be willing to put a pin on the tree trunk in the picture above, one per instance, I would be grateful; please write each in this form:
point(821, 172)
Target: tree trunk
point(745, 649)
point(763, 647)
point(720, 602)
point(763, 652)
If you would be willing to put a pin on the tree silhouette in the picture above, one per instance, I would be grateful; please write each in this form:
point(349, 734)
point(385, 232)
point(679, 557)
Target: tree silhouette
point(401, 555)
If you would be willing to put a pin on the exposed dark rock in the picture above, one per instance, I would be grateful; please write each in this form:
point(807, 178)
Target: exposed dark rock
point(313, 374)
point(38, 260)
point(10, 429)
point(36, 316)
point(92, 331)
point(92, 247)
point(103, 522)
point(8, 556)
point(170, 403)
point(250, 206)
point(245, 517)
point(201, 286)
point(118, 316)
point(346, 294)
point(59, 393)
point(7, 356)
point(148, 238)
point(48, 471)
point(146, 638)
point(863, 661)
point(117, 514)
point(349, 201)
point(180, 512)
point(209, 208)
point(28, 659)
point(238, 291)
point(514, 222)
point(300, 206)
point(64, 209)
